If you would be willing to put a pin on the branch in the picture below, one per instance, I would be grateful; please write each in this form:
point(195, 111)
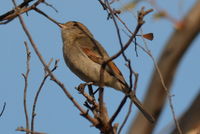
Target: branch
point(140, 22)
point(7, 17)
point(141, 14)
point(172, 55)
point(126, 117)
point(118, 109)
point(90, 99)
point(48, 17)
point(28, 131)
point(4, 106)
point(28, 56)
point(38, 92)
point(60, 84)
point(190, 120)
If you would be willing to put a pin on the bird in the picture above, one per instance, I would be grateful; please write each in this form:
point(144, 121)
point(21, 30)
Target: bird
point(84, 56)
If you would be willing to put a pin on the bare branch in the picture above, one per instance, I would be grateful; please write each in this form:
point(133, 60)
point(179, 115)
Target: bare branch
point(141, 14)
point(172, 55)
point(22, 5)
point(38, 92)
point(45, 15)
point(61, 85)
point(131, 94)
point(28, 131)
point(169, 96)
point(50, 5)
point(28, 56)
point(90, 99)
point(190, 120)
point(7, 17)
point(118, 109)
point(3, 109)
point(126, 117)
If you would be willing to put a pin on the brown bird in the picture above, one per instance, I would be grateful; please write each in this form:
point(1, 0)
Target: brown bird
point(85, 56)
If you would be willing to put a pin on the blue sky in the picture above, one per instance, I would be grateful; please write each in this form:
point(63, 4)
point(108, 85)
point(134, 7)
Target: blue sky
point(55, 113)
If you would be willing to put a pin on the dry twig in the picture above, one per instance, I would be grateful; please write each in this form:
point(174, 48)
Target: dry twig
point(26, 83)
point(38, 92)
point(61, 85)
point(172, 55)
point(3, 109)
point(28, 131)
point(102, 121)
point(9, 16)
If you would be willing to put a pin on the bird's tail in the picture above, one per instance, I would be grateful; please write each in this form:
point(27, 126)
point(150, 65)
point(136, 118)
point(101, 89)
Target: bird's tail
point(139, 105)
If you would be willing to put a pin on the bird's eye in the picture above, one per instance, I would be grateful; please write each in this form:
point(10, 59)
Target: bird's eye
point(74, 23)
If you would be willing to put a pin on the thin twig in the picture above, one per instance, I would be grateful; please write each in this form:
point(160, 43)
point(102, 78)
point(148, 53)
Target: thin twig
point(17, 11)
point(26, 83)
point(90, 99)
point(95, 122)
point(22, 5)
point(25, 77)
point(148, 52)
point(118, 109)
point(45, 15)
point(50, 5)
point(130, 77)
point(118, 31)
point(126, 118)
point(35, 102)
point(3, 109)
point(38, 92)
point(28, 131)
point(141, 14)
point(140, 20)
point(169, 96)
point(49, 63)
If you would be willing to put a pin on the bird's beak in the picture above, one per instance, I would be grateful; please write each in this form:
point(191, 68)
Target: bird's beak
point(61, 25)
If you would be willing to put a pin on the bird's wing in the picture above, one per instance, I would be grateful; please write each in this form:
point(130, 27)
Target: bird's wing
point(97, 53)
